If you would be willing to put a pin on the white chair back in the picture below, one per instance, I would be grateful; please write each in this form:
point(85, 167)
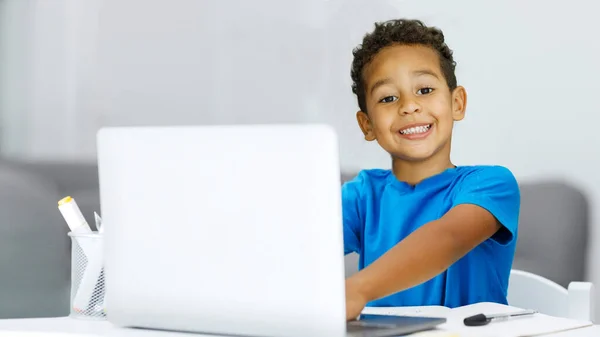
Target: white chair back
point(530, 291)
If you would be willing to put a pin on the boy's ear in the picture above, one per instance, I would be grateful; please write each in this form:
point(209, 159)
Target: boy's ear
point(459, 103)
point(365, 125)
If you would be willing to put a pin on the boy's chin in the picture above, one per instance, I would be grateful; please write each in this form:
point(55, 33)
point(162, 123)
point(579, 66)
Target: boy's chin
point(414, 156)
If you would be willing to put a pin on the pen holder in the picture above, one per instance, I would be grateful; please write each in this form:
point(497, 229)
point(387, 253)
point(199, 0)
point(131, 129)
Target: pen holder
point(87, 276)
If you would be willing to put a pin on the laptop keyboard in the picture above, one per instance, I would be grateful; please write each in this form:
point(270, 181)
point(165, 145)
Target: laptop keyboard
point(361, 325)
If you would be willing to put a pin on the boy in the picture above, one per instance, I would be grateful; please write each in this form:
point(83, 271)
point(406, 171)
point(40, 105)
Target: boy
point(427, 232)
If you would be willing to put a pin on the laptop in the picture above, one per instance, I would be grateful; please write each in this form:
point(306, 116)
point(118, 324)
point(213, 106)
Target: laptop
point(228, 230)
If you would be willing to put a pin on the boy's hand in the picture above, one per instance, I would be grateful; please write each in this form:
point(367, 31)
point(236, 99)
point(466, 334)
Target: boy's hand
point(355, 300)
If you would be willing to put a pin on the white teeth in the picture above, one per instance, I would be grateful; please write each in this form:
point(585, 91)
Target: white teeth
point(417, 129)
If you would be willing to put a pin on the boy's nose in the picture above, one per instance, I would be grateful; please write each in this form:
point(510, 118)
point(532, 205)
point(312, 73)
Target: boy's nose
point(409, 107)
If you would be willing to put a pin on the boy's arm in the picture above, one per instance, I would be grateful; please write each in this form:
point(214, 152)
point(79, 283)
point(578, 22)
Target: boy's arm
point(487, 206)
point(425, 253)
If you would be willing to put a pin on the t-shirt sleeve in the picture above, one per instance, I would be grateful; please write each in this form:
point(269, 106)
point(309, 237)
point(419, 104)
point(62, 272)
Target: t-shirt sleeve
point(351, 199)
point(495, 189)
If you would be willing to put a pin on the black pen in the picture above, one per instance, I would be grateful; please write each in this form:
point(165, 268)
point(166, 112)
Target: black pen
point(482, 319)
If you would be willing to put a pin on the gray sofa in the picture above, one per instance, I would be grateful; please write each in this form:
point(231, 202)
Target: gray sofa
point(35, 248)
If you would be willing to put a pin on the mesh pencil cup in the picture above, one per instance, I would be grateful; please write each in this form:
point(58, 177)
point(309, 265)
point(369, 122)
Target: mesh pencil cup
point(87, 276)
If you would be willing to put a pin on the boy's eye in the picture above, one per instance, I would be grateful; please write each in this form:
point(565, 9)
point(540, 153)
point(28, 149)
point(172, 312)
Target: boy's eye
point(388, 99)
point(425, 91)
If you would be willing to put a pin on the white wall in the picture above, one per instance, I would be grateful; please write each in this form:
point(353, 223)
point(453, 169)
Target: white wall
point(15, 56)
point(530, 68)
point(47, 49)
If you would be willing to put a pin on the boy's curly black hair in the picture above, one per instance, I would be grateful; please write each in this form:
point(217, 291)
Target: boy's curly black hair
point(401, 31)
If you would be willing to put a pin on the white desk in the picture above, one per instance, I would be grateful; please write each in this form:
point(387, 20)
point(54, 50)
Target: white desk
point(71, 325)
point(103, 328)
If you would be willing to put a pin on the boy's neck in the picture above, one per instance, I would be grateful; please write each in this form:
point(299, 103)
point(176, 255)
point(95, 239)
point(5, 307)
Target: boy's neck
point(413, 173)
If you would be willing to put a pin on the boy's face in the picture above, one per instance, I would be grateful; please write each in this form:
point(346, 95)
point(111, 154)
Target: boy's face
point(411, 110)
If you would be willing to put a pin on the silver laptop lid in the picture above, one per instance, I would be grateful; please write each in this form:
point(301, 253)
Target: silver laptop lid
point(223, 229)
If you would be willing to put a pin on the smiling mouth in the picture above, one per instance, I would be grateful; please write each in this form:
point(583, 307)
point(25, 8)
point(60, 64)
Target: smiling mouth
point(415, 130)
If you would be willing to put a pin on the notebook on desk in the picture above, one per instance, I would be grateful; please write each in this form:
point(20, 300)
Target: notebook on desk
point(534, 325)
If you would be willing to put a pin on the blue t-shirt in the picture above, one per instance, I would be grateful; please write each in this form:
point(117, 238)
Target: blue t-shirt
point(379, 211)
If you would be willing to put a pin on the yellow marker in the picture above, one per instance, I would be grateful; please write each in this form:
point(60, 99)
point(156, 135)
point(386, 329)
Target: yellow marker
point(64, 200)
point(72, 215)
